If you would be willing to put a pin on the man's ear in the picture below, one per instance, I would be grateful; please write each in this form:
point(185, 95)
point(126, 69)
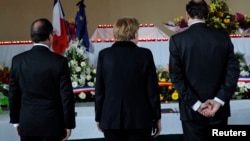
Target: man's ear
point(50, 37)
point(187, 16)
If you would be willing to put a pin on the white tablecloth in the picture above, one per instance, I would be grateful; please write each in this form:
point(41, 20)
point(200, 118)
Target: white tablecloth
point(143, 32)
point(160, 50)
point(86, 126)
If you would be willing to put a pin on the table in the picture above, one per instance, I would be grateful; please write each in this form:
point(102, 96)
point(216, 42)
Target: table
point(159, 49)
point(86, 126)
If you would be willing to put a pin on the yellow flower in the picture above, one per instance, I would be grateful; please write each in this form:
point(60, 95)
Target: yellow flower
point(161, 97)
point(163, 80)
point(226, 21)
point(220, 14)
point(159, 75)
point(175, 95)
point(212, 7)
point(170, 88)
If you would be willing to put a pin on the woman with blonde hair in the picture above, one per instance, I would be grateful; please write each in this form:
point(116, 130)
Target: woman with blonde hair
point(127, 99)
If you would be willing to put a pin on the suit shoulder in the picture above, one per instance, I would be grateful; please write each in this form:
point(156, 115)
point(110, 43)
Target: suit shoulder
point(20, 55)
point(104, 50)
point(59, 56)
point(144, 49)
point(220, 34)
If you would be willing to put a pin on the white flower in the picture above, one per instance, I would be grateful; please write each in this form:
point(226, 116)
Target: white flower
point(89, 77)
point(82, 95)
point(94, 71)
point(78, 69)
point(74, 84)
point(81, 50)
point(91, 84)
point(6, 86)
point(83, 64)
point(243, 87)
point(247, 85)
point(244, 73)
point(82, 81)
point(92, 93)
point(88, 71)
point(240, 84)
point(236, 93)
point(73, 62)
point(83, 76)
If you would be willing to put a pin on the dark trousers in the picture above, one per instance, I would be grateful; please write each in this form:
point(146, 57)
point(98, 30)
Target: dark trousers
point(128, 135)
point(199, 130)
point(35, 138)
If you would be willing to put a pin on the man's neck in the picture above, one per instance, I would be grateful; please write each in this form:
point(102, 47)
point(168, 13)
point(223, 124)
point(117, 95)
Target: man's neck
point(193, 21)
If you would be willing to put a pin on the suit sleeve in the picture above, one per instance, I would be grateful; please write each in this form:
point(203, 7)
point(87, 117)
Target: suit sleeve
point(228, 88)
point(67, 96)
point(14, 94)
point(153, 88)
point(177, 75)
point(99, 89)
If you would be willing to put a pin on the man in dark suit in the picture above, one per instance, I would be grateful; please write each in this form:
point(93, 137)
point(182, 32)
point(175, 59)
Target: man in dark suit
point(127, 99)
point(40, 94)
point(204, 70)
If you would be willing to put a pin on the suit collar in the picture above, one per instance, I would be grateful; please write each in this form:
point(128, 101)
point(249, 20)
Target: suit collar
point(198, 24)
point(39, 44)
point(124, 44)
point(39, 47)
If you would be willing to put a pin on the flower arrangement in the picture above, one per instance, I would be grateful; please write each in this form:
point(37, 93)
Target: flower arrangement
point(168, 93)
point(243, 87)
point(4, 86)
point(4, 102)
point(4, 74)
point(244, 21)
point(221, 18)
point(162, 73)
point(179, 24)
point(82, 73)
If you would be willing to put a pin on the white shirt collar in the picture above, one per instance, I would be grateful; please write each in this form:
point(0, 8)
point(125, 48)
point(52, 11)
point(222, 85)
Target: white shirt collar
point(39, 44)
point(197, 21)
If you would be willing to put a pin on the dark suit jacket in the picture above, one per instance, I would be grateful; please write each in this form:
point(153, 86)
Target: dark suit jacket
point(41, 96)
point(203, 66)
point(127, 92)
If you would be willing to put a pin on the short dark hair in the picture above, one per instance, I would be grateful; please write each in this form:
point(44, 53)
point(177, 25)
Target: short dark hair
point(40, 30)
point(197, 9)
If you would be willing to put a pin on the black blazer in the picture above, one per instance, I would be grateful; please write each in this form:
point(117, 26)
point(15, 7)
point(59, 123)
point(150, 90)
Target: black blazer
point(41, 94)
point(127, 92)
point(203, 66)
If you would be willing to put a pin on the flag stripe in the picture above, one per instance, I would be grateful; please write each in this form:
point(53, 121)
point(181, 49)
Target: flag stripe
point(60, 38)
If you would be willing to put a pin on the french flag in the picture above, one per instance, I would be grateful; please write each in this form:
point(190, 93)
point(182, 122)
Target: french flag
point(60, 38)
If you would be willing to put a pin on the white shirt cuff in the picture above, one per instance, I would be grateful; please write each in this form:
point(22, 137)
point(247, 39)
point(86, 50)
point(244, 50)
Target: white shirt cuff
point(219, 101)
point(196, 106)
point(15, 125)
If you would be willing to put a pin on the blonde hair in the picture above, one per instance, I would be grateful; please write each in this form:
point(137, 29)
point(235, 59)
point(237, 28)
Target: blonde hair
point(125, 28)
